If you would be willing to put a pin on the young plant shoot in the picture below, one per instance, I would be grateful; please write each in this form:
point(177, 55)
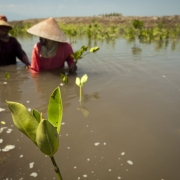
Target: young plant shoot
point(7, 76)
point(64, 78)
point(79, 54)
point(80, 83)
point(43, 132)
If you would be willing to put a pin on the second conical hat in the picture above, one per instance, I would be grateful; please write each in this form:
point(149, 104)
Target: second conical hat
point(3, 21)
point(48, 29)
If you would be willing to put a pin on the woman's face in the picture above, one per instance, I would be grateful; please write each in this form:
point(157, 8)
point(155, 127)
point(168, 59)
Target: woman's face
point(42, 40)
point(4, 30)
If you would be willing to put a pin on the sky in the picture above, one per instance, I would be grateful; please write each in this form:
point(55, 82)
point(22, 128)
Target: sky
point(23, 9)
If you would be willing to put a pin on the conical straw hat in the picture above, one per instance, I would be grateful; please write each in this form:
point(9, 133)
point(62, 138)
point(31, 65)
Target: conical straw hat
point(48, 29)
point(3, 21)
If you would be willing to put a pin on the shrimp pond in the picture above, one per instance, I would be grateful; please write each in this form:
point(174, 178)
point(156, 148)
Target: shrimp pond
point(126, 127)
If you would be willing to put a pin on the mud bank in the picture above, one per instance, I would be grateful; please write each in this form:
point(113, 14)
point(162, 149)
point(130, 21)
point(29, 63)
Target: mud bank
point(149, 21)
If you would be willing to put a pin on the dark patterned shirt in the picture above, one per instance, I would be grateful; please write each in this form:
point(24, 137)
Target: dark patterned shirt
point(10, 50)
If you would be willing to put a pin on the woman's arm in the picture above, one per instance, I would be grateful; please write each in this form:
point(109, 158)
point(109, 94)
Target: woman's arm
point(71, 63)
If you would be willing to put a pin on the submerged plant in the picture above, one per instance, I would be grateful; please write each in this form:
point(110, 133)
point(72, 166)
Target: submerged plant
point(80, 83)
point(7, 76)
point(64, 78)
point(43, 132)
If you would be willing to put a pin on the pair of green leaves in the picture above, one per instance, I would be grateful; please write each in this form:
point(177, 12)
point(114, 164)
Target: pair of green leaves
point(44, 133)
point(79, 54)
point(82, 81)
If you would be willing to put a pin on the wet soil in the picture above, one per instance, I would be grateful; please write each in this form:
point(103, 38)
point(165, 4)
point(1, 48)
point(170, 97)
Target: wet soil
point(149, 21)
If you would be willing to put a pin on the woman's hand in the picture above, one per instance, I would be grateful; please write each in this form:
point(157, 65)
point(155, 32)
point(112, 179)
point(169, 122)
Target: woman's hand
point(28, 67)
point(73, 67)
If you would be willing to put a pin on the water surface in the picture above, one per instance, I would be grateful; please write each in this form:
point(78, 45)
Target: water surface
point(127, 126)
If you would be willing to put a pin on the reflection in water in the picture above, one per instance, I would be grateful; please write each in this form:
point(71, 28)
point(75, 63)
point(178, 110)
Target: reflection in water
point(10, 89)
point(136, 50)
point(85, 99)
point(173, 46)
point(43, 83)
point(84, 111)
point(159, 44)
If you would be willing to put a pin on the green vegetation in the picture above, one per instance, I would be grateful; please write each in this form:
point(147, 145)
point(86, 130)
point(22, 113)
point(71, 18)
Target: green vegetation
point(98, 31)
point(6, 75)
point(80, 82)
point(20, 30)
point(93, 30)
point(111, 14)
point(43, 132)
point(137, 24)
point(80, 53)
point(64, 78)
point(157, 33)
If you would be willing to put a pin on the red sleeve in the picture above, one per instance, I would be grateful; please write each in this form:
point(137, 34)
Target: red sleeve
point(69, 59)
point(35, 62)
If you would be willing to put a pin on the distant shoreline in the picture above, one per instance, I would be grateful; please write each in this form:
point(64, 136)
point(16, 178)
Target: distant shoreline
point(149, 21)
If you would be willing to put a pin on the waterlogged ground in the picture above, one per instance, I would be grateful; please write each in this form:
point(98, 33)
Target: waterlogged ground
point(127, 127)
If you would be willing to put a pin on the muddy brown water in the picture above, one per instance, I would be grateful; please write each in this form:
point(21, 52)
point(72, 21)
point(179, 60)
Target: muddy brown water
point(127, 127)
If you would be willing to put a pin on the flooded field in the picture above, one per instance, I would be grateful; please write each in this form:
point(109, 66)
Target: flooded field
point(127, 126)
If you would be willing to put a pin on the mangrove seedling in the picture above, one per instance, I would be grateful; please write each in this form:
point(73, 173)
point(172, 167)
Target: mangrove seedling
point(64, 78)
point(7, 76)
point(80, 83)
point(137, 24)
point(80, 53)
point(43, 132)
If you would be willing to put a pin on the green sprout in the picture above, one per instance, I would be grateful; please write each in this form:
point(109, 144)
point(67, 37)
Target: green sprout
point(80, 83)
point(7, 76)
point(64, 78)
point(43, 132)
point(80, 53)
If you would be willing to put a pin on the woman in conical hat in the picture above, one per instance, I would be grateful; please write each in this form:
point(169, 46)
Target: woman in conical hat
point(53, 50)
point(10, 48)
